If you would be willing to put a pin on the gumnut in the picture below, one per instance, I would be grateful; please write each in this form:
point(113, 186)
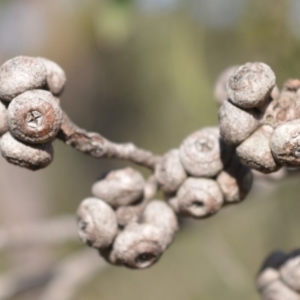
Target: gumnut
point(255, 151)
point(269, 271)
point(21, 74)
point(34, 117)
point(33, 157)
point(251, 85)
point(120, 187)
point(169, 172)
point(286, 107)
point(204, 153)
point(138, 246)
point(198, 198)
point(285, 143)
point(3, 118)
point(56, 77)
point(97, 223)
point(290, 272)
point(235, 181)
point(236, 124)
point(160, 214)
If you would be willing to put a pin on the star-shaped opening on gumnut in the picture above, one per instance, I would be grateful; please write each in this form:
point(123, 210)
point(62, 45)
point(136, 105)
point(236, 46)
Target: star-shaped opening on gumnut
point(34, 119)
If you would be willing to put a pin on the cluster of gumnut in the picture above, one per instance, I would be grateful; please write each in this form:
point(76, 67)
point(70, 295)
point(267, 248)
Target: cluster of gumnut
point(129, 228)
point(279, 276)
point(30, 113)
point(262, 123)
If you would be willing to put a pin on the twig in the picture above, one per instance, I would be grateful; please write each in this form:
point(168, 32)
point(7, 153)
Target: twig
point(97, 146)
point(72, 274)
point(54, 231)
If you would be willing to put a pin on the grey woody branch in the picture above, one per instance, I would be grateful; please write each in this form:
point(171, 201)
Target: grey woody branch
point(99, 147)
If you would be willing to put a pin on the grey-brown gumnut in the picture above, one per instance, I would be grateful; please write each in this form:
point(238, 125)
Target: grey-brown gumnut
point(286, 107)
point(120, 187)
point(138, 246)
point(255, 152)
point(269, 271)
point(56, 77)
point(204, 153)
point(236, 124)
point(20, 74)
point(198, 198)
point(220, 91)
point(33, 157)
point(97, 223)
point(3, 118)
point(290, 273)
point(34, 117)
point(251, 84)
point(285, 143)
point(235, 181)
point(170, 172)
point(277, 290)
point(160, 214)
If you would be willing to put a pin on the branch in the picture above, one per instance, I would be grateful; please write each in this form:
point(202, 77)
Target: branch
point(99, 147)
point(36, 233)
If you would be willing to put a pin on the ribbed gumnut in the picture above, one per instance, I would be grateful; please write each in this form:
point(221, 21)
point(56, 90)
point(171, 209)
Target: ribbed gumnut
point(220, 91)
point(235, 181)
point(160, 214)
point(285, 143)
point(204, 153)
point(290, 272)
point(236, 124)
point(97, 223)
point(255, 151)
point(170, 172)
point(120, 187)
point(3, 118)
point(33, 157)
point(269, 272)
point(198, 198)
point(56, 77)
point(286, 107)
point(21, 74)
point(251, 85)
point(34, 117)
point(138, 245)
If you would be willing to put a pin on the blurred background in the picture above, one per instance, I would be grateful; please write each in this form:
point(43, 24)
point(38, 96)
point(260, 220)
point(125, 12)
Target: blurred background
point(144, 71)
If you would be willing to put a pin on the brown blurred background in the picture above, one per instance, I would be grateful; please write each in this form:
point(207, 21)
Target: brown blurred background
point(144, 71)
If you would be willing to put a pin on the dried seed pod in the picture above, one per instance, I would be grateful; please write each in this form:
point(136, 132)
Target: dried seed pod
point(269, 270)
point(21, 74)
point(235, 181)
point(199, 198)
point(34, 117)
point(139, 246)
point(277, 290)
point(170, 173)
point(255, 151)
point(56, 77)
point(204, 153)
point(3, 118)
point(33, 157)
point(220, 92)
point(285, 143)
point(120, 187)
point(97, 223)
point(286, 107)
point(160, 214)
point(290, 273)
point(251, 85)
point(236, 124)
